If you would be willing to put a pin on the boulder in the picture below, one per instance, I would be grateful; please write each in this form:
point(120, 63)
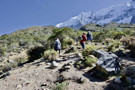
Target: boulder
point(105, 61)
point(117, 80)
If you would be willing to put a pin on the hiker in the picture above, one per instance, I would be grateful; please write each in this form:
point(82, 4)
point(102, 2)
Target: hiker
point(57, 45)
point(82, 42)
point(117, 65)
point(89, 36)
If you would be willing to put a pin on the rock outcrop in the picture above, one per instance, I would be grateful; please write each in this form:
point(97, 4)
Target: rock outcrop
point(105, 61)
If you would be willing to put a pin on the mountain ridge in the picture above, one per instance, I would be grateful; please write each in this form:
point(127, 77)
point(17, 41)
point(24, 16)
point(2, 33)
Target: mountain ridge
point(122, 13)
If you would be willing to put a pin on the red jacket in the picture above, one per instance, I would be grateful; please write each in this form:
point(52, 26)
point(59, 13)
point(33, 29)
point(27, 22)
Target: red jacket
point(84, 38)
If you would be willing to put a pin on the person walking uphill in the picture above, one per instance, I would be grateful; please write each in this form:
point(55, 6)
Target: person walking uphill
point(57, 45)
point(82, 42)
point(89, 36)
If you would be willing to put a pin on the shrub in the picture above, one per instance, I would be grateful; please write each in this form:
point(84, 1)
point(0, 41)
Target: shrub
point(129, 43)
point(60, 33)
point(114, 45)
point(50, 55)
point(89, 48)
point(67, 42)
point(35, 53)
point(2, 51)
point(90, 60)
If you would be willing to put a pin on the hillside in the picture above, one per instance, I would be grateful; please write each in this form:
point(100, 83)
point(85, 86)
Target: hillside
point(28, 60)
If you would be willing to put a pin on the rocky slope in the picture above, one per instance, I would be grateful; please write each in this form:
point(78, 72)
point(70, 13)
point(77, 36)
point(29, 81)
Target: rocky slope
point(38, 76)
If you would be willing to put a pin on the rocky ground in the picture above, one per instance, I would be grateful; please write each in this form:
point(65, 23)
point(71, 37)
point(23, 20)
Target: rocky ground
point(39, 76)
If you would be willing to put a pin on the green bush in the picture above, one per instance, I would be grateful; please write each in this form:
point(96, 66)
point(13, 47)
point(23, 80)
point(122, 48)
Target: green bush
point(130, 44)
point(90, 60)
point(89, 48)
point(60, 33)
point(35, 53)
point(67, 42)
point(50, 55)
point(114, 45)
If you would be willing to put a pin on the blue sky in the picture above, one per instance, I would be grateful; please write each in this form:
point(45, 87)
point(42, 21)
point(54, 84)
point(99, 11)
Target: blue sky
point(20, 14)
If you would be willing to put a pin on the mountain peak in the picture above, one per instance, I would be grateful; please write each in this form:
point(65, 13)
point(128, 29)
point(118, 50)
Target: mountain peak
point(119, 13)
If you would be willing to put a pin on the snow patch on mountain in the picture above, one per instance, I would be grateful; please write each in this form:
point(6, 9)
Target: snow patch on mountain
point(117, 13)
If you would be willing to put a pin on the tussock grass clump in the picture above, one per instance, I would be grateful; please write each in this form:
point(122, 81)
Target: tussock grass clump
point(90, 60)
point(89, 48)
point(50, 55)
point(67, 42)
point(129, 43)
point(114, 44)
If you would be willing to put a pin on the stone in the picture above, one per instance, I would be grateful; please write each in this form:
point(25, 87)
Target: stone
point(81, 80)
point(133, 86)
point(129, 79)
point(48, 64)
point(44, 84)
point(54, 64)
point(11, 61)
point(117, 80)
point(67, 67)
point(19, 86)
point(105, 61)
point(80, 56)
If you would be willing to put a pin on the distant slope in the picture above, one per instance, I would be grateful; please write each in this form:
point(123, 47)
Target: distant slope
point(24, 39)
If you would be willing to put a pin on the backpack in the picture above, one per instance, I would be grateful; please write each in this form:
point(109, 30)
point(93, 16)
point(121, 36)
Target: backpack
point(88, 35)
point(84, 38)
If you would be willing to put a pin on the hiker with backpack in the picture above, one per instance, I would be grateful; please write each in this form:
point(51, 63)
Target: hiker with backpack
point(89, 36)
point(82, 42)
point(57, 45)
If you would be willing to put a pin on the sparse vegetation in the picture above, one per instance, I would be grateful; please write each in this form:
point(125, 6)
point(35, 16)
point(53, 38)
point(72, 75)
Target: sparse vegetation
point(90, 60)
point(50, 55)
point(61, 86)
point(89, 48)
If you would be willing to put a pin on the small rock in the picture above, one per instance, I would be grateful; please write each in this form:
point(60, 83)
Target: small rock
point(43, 84)
point(67, 67)
point(117, 80)
point(54, 64)
point(80, 56)
point(133, 86)
point(19, 86)
point(81, 80)
point(48, 63)
point(10, 61)
point(71, 56)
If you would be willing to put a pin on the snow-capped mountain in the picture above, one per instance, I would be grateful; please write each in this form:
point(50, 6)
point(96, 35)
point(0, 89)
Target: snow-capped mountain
point(118, 13)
